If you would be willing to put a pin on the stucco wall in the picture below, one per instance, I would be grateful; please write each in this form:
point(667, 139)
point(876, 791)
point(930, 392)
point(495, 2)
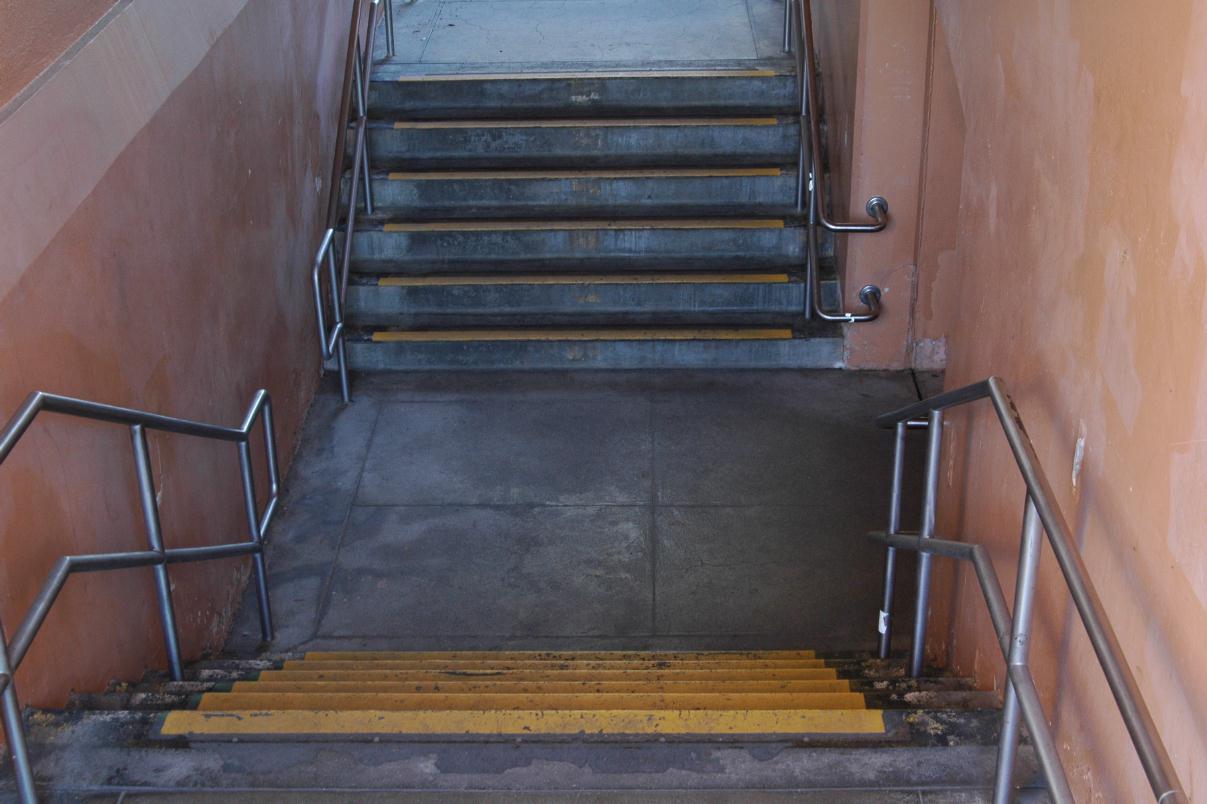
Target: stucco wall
point(1064, 249)
point(34, 35)
point(160, 200)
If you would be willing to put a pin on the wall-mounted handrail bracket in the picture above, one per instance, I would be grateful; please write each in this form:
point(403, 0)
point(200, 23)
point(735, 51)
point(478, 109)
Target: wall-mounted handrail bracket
point(158, 556)
point(812, 201)
point(1041, 515)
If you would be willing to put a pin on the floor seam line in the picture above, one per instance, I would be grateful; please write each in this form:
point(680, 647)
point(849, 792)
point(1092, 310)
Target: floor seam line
point(328, 588)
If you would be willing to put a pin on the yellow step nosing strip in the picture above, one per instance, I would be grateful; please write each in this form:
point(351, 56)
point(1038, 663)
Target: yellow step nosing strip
point(584, 279)
point(486, 665)
point(557, 175)
point(520, 722)
point(477, 701)
point(469, 336)
point(807, 674)
point(578, 225)
point(607, 122)
point(572, 75)
point(540, 687)
point(598, 655)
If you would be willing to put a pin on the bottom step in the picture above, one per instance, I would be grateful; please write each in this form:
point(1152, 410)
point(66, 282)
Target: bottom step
point(695, 347)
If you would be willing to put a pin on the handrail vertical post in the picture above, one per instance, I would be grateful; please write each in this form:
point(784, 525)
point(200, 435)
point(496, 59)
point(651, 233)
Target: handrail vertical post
point(885, 625)
point(341, 351)
point(390, 28)
point(1020, 644)
point(163, 584)
point(788, 26)
point(934, 448)
point(253, 524)
point(14, 728)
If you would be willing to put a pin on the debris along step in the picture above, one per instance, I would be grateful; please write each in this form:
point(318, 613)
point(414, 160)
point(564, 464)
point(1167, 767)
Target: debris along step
point(607, 143)
point(624, 192)
point(767, 88)
point(728, 244)
point(558, 656)
point(575, 300)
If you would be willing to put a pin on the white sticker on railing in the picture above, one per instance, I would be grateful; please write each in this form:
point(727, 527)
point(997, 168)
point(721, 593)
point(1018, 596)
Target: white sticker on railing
point(883, 621)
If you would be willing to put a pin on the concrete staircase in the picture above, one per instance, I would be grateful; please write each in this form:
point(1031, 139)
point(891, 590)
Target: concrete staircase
point(622, 219)
point(528, 721)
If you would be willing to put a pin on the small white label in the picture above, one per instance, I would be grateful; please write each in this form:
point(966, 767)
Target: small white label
point(883, 622)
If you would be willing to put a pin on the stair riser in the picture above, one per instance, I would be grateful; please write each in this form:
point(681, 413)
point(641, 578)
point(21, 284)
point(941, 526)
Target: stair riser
point(579, 96)
point(568, 305)
point(585, 147)
point(436, 199)
point(785, 354)
point(581, 250)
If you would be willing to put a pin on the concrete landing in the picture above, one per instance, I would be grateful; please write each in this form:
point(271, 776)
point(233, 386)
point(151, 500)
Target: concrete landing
point(579, 510)
point(478, 32)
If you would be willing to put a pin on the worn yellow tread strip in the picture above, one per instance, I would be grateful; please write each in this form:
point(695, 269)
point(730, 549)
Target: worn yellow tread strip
point(418, 676)
point(528, 722)
point(586, 279)
point(469, 335)
point(610, 122)
point(576, 225)
point(553, 175)
point(541, 687)
point(452, 77)
point(378, 701)
point(548, 655)
point(489, 665)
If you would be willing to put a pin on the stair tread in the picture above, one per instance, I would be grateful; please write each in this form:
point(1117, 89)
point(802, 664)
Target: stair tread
point(651, 278)
point(586, 122)
point(496, 334)
point(527, 722)
point(538, 174)
point(526, 224)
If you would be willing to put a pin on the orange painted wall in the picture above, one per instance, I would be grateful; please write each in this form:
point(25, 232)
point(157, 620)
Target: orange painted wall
point(33, 35)
point(1063, 247)
point(156, 256)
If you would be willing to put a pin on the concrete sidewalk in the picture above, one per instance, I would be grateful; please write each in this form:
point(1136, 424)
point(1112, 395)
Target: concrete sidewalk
point(628, 510)
point(477, 32)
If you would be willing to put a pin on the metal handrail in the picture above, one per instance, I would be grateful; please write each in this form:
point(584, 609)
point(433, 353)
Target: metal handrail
point(811, 199)
point(358, 65)
point(13, 651)
point(1042, 514)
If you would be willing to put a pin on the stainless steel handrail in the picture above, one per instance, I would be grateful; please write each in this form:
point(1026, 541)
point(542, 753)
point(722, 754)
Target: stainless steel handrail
point(1042, 514)
point(358, 66)
point(157, 556)
point(811, 198)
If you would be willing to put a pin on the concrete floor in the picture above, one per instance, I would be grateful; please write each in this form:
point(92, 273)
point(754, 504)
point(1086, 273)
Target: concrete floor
point(572, 510)
point(476, 32)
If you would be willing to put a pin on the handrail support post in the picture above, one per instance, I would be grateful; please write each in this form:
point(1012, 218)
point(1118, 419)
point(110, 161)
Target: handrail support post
point(885, 624)
point(163, 584)
point(14, 728)
point(934, 449)
point(253, 524)
point(1020, 644)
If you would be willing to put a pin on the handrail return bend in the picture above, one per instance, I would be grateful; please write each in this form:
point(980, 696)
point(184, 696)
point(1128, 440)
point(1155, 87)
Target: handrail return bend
point(1041, 515)
point(156, 556)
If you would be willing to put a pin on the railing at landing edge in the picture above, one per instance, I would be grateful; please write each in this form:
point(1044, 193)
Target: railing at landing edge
point(358, 67)
point(1041, 515)
point(13, 651)
point(811, 199)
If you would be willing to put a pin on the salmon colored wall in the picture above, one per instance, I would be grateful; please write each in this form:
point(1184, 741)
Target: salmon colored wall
point(160, 200)
point(33, 35)
point(1063, 248)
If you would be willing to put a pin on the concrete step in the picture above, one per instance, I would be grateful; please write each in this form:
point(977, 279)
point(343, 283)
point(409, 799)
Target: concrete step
point(575, 300)
point(603, 193)
point(398, 92)
point(81, 752)
point(607, 143)
point(611, 348)
point(584, 246)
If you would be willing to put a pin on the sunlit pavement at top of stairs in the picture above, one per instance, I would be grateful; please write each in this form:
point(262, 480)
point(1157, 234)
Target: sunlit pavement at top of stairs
point(484, 32)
